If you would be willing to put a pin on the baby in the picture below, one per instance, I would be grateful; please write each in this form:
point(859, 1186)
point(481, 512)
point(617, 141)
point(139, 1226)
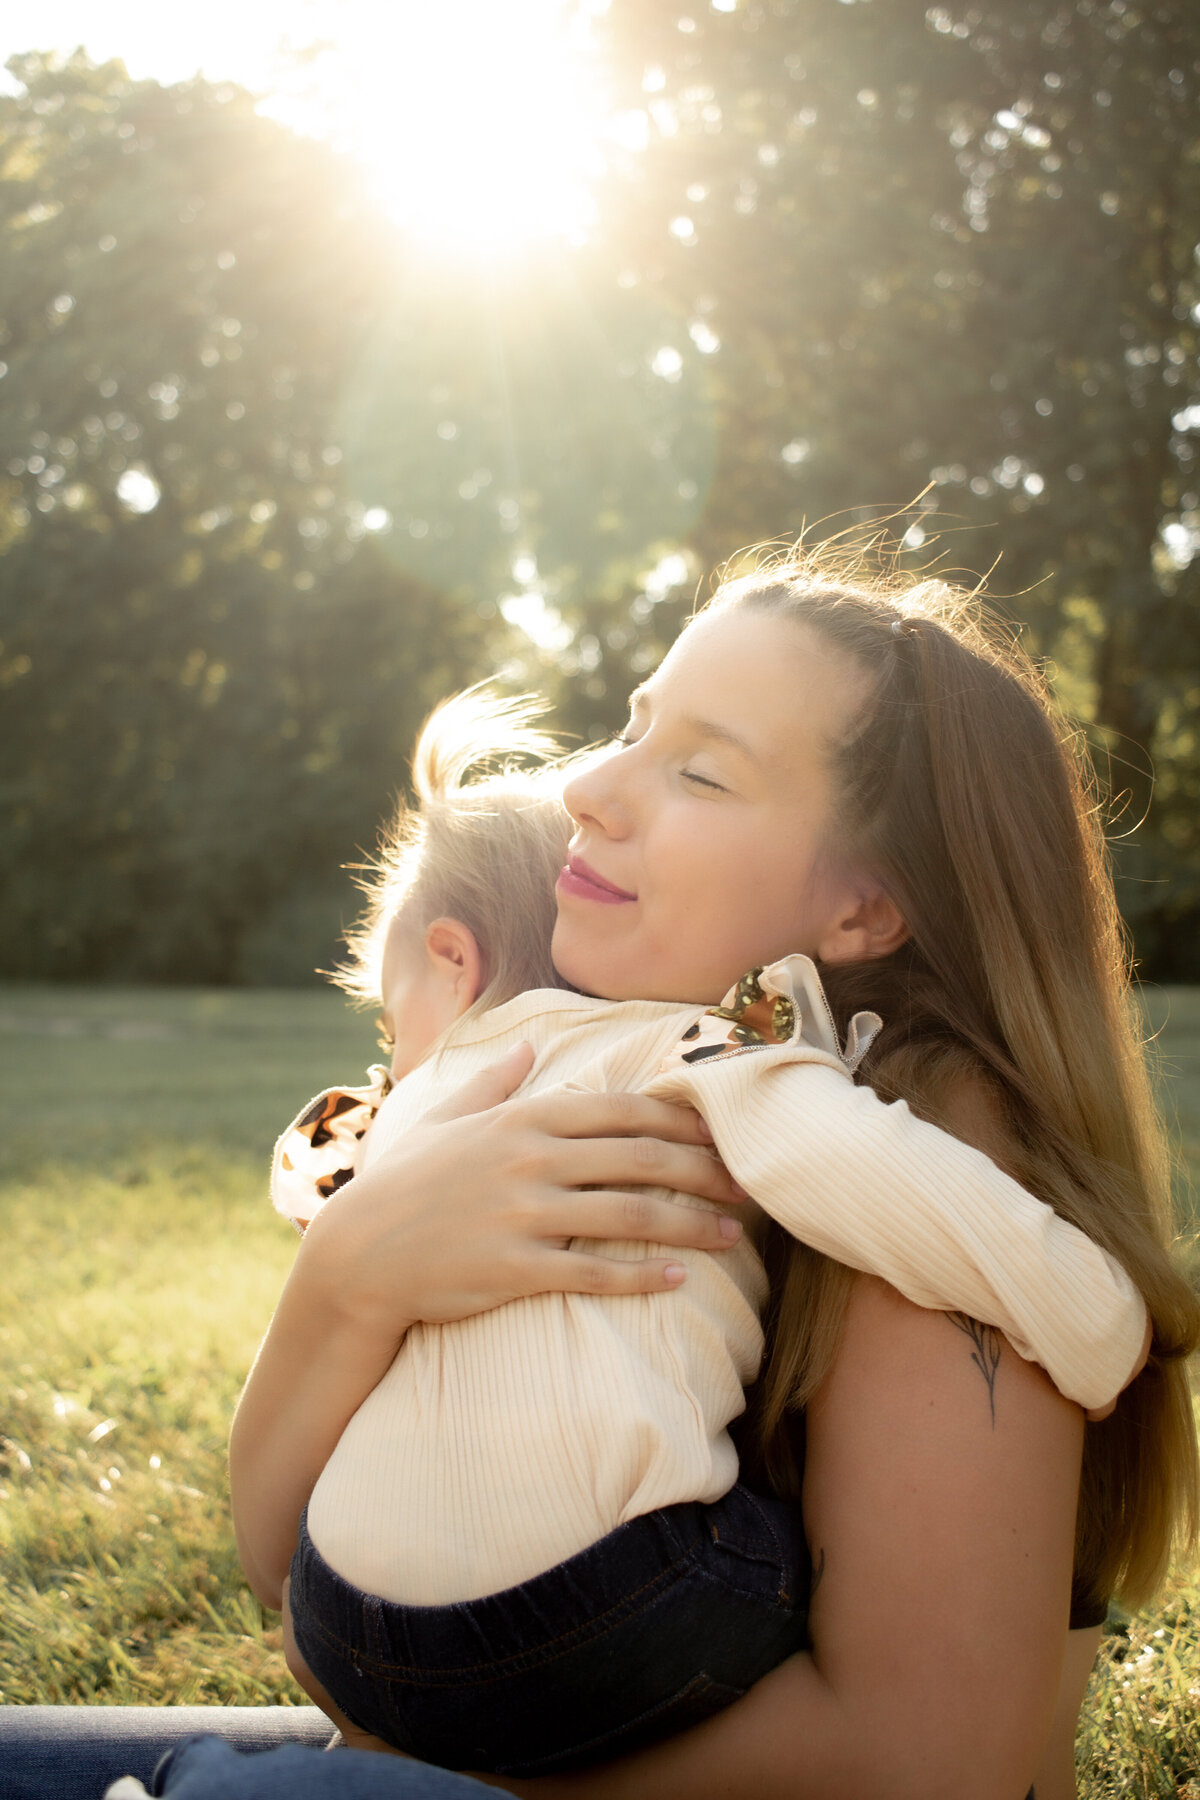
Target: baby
point(530, 1549)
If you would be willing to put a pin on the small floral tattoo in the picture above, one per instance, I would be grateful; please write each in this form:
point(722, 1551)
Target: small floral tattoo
point(986, 1354)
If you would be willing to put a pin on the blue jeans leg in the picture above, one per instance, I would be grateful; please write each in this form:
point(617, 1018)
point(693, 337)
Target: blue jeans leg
point(73, 1752)
point(210, 1769)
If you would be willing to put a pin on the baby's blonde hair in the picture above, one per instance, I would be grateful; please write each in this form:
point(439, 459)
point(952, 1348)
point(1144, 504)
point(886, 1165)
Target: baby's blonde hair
point(483, 844)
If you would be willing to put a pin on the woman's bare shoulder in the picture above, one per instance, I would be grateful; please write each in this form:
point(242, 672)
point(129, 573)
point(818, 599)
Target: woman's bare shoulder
point(889, 1343)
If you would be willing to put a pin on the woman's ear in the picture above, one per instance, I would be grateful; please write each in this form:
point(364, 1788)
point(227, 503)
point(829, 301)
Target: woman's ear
point(870, 926)
point(455, 963)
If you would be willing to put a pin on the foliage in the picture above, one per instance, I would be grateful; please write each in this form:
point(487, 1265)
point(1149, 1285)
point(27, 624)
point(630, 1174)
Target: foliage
point(212, 674)
point(955, 246)
point(271, 477)
point(1140, 1732)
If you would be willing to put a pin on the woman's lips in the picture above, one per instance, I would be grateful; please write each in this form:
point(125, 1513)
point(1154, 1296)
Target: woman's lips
point(584, 884)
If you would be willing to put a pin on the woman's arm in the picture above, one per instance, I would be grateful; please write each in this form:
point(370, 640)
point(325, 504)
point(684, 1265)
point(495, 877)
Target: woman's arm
point(1055, 1778)
point(476, 1208)
point(940, 1495)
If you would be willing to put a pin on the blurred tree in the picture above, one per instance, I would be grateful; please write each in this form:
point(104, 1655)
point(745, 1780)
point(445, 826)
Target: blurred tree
point(952, 245)
point(211, 673)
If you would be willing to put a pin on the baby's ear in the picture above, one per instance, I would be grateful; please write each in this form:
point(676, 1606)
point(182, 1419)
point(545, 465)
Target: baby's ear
point(456, 962)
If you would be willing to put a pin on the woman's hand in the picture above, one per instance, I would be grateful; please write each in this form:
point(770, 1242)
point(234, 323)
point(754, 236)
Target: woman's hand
point(478, 1204)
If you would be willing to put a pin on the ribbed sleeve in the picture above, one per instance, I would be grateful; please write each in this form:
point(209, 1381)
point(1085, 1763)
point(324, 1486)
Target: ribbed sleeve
point(867, 1182)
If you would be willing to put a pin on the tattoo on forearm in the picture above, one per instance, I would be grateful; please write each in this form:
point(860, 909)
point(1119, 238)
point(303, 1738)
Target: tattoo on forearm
point(818, 1570)
point(986, 1354)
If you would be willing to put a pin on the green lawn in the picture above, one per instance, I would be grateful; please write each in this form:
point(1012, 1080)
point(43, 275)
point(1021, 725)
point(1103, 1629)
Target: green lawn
point(140, 1262)
point(141, 1266)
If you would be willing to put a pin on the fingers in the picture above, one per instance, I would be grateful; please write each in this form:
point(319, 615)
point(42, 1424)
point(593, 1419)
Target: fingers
point(650, 1161)
point(581, 1113)
point(570, 1272)
point(645, 1218)
point(1096, 1414)
point(578, 1138)
point(487, 1089)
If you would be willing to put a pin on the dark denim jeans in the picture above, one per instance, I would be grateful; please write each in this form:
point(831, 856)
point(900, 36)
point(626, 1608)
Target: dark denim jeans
point(661, 1624)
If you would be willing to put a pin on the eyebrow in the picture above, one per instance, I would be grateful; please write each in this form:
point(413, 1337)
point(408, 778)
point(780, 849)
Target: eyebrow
point(706, 728)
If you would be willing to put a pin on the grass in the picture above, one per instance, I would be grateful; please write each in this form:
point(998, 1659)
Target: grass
point(139, 1267)
point(139, 1264)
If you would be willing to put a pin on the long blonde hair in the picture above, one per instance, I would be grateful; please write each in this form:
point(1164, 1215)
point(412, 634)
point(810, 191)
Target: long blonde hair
point(961, 790)
point(483, 844)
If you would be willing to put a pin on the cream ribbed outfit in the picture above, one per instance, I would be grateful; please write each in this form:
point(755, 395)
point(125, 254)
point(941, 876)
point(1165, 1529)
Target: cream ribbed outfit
point(498, 1446)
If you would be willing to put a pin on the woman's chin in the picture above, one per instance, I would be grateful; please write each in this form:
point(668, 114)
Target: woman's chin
point(609, 976)
point(592, 982)
point(574, 966)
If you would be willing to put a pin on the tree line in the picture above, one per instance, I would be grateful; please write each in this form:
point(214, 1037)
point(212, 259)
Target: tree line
point(273, 478)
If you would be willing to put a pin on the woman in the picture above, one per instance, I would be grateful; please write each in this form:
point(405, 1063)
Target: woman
point(941, 1473)
point(952, 837)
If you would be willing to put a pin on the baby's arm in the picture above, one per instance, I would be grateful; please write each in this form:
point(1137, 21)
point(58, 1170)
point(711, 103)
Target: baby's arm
point(868, 1183)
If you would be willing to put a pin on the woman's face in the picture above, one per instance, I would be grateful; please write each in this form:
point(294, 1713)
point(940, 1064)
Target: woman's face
point(702, 842)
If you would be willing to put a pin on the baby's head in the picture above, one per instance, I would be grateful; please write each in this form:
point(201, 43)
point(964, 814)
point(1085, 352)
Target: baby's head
point(460, 899)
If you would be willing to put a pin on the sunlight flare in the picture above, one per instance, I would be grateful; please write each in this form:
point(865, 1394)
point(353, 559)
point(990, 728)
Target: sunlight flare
point(477, 126)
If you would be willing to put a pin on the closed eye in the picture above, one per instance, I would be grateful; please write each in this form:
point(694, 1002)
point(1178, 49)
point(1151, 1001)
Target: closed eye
point(625, 740)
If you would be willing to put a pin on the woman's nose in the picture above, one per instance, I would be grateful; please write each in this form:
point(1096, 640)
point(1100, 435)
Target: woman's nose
point(592, 797)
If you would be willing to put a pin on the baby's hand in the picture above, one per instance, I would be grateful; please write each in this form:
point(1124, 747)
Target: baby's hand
point(1095, 1414)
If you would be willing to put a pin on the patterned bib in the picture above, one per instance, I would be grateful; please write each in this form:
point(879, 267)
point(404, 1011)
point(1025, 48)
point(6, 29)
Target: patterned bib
point(315, 1156)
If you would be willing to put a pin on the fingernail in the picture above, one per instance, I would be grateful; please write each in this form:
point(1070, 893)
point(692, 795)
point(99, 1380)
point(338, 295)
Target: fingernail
point(705, 1132)
point(739, 1192)
point(730, 1229)
point(674, 1273)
